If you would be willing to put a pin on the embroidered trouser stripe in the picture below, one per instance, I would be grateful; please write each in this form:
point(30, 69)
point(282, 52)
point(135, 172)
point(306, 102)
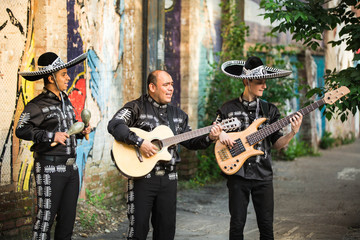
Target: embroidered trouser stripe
point(155, 196)
point(57, 188)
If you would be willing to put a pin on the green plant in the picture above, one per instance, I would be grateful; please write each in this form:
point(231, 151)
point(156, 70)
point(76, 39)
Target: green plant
point(348, 139)
point(88, 210)
point(95, 200)
point(208, 167)
point(293, 150)
point(327, 141)
point(307, 21)
point(87, 220)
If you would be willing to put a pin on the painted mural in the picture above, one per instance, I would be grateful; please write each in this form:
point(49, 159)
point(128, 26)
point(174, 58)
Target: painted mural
point(16, 38)
point(94, 84)
point(172, 45)
point(77, 85)
point(103, 87)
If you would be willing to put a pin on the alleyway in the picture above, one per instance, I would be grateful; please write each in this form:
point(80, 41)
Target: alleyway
point(315, 198)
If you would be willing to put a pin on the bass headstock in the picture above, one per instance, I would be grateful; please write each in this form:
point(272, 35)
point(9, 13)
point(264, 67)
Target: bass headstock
point(334, 95)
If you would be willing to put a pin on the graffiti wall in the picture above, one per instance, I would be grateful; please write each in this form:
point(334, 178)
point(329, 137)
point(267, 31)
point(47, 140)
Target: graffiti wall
point(172, 44)
point(109, 31)
point(30, 28)
point(14, 93)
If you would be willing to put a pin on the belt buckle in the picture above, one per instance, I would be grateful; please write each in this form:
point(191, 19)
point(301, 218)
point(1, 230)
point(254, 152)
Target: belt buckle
point(160, 172)
point(70, 161)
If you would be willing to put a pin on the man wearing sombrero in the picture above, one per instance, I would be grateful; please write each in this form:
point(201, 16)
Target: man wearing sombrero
point(44, 120)
point(255, 176)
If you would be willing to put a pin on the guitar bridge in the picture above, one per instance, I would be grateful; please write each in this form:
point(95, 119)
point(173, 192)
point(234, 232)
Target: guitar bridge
point(223, 154)
point(237, 149)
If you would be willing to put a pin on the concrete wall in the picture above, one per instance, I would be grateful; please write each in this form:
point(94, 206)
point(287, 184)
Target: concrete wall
point(338, 58)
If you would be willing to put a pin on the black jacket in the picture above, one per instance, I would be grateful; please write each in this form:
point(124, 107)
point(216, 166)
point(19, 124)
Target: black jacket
point(145, 113)
point(42, 118)
point(257, 167)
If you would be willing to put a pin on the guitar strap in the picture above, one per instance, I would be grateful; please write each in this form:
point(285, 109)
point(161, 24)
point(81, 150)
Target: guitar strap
point(265, 108)
point(170, 116)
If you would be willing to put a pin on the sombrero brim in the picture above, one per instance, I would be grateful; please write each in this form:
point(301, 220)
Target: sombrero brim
point(234, 68)
point(33, 76)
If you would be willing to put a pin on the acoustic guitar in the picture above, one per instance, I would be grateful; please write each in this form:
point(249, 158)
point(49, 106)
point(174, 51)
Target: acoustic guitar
point(132, 163)
point(230, 160)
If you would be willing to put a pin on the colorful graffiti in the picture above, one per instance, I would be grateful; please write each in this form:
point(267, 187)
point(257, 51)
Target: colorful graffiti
point(16, 92)
point(16, 158)
point(77, 85)
point(172, 45)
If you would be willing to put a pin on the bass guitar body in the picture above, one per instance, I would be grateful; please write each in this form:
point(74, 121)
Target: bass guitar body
point(129, 159)
point(230, 160)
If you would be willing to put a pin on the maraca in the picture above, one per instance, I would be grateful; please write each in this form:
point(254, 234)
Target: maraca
point(74, 129)
point(85, 116)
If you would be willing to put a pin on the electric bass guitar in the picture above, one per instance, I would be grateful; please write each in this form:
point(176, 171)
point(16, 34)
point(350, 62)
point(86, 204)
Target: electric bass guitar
point(230, 160)
point(132, 163)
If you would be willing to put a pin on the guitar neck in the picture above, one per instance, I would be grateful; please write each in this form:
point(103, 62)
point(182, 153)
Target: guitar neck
point(266, 131)
point(185, 136)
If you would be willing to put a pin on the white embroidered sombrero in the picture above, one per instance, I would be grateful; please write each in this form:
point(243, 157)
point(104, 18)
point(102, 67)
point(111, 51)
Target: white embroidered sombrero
point(49, 63)
point(253, 68)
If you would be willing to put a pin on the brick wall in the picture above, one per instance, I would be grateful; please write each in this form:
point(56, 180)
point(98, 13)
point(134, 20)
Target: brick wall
point(17, 210)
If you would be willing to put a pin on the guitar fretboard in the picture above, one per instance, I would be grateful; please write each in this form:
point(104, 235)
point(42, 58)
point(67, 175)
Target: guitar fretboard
point(266, 131)
point(185, 136)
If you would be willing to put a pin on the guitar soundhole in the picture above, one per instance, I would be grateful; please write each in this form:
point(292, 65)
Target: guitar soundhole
point(157, 143)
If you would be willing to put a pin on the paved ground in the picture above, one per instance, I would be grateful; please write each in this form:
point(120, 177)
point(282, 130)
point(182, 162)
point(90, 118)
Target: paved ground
point(315, 198)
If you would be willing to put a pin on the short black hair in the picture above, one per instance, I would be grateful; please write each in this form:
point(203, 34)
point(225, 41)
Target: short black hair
point(46, 79)
point(152, 78)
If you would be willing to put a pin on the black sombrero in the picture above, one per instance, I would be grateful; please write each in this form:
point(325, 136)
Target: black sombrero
point(49, 63)
point(253, 68)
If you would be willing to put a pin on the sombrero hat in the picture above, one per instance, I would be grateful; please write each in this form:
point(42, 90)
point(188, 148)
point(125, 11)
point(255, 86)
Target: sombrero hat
point(253, 68)
point(49, 63)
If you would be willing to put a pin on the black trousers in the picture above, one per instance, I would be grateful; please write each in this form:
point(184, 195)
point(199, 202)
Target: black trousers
point(152, 196)
point(57, 190)
point(262, 195)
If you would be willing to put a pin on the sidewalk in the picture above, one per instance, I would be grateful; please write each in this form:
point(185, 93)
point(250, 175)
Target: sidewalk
point(315, 198)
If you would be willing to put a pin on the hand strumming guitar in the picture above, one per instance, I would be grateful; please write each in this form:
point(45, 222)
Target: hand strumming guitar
point(148, 149)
